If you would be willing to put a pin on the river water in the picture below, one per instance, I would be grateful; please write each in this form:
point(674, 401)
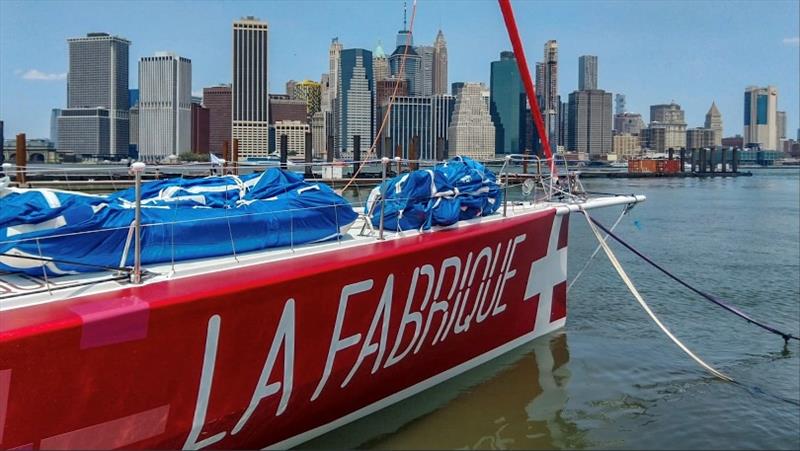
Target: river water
point(610, 378)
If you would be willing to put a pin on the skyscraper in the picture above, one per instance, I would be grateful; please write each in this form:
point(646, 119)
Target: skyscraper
point(165, 106)
point(309, 92)
point(427, 118)
point(671, 117)
point(628, 123)
point(329, 104)
point(250, 115)
point(426, 55)
point(218, 101)
point(95, 121)
point(380, 64)
point(550, 96)
point(587, 72)
point(411, 70)
point(780, 125)
point(54, 113)
point(619, 104)
point(471, 130)
point(761, 117)
point(440, 64)
point(590, 122)
point(290, 88)
point(200, 122)
point(507, 104)
point(714, 122)
point(354, 99)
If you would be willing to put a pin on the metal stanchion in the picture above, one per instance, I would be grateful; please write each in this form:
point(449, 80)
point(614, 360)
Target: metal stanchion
point(137, 169)
point(384, 163)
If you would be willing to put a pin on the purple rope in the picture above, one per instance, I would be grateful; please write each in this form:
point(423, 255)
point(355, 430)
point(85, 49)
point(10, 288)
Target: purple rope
point(786, 337)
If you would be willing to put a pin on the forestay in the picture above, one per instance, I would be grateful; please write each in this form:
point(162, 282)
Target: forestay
point(181, 219)
point(455, 190)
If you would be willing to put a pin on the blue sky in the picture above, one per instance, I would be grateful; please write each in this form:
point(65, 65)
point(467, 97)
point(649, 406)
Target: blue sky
point(691, 52)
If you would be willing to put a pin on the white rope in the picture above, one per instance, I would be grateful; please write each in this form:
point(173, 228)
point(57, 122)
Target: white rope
point(596, 250)
point(635, 292)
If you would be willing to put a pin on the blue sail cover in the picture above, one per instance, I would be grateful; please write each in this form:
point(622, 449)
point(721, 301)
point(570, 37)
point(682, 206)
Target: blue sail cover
point(181, 219)
point(449, 192)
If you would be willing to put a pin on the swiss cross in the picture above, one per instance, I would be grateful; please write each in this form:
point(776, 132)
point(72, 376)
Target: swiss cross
point(546, 273)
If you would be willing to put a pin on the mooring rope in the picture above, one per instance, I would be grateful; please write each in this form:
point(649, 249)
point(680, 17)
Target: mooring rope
point(635, 292)
point(786, 336)
point(597, 249)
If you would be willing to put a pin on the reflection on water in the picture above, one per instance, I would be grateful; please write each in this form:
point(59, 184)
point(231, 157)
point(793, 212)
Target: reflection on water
point(514, 401)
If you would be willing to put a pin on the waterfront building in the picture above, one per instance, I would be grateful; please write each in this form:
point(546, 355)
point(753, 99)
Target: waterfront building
point(471, 132)
point(385, 88)
point(95, 122)
point(38, 150)
point(290, 88)
point(133, 132)
point(295, 132)
point(426, 53)
point(54, 113)
point(733, 141)
point(631, 123)
point(309, 92)
point(165, 106)
point(620, 106)
point(318, 135)
point(590, 122)
point(354, 99)
point(671, 117)
point(440, 65)
point(249, 97)
point(455, 87)
point(587, 72)
point(218, 101)
point(714, 122)
point(282, 108)
point(412, 70)
point(427, 118)
point(507, 104)
point(380, 64)
point(200, 128)
point(700, 138)
point(133, 97)
point(780, 124)
point(653, 137)
point(550, 99)
point(626, 145)
point(761, 117)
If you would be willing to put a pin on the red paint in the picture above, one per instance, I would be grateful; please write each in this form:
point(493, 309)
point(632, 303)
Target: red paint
point(5, 383)
point(559, 309)
point(71, 391)
point(113, 434)
point(112, 321)
point(563, 233)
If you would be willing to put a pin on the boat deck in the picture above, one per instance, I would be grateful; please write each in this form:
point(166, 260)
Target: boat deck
point(21, 290)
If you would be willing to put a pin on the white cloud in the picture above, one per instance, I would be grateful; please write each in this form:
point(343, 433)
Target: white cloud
point(35, 74)
point(794, 42)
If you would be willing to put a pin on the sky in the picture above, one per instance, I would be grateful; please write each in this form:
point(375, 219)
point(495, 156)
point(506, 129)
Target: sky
point(690, 52)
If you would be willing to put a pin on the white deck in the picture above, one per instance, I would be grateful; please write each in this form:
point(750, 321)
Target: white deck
point(19, 290)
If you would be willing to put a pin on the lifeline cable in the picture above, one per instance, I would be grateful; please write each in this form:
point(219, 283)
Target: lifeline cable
point(635, 292)
point(786, 336)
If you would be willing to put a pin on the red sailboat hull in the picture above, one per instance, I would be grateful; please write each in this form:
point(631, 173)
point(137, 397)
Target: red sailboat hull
point(274, 354)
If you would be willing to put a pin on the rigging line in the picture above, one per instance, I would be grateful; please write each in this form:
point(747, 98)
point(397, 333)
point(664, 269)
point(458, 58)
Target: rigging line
point(67, 262)
point(522, 65)
point(392, 98)
point(643, 304)
point(786, 336)
point(597, 249)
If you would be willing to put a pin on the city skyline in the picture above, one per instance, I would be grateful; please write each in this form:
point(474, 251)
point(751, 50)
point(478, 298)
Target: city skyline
point(36, 78)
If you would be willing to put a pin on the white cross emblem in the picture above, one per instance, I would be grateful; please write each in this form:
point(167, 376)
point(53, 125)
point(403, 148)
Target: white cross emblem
point(546, 273)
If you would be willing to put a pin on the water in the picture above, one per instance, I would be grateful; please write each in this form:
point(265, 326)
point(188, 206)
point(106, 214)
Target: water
point(611, 379)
